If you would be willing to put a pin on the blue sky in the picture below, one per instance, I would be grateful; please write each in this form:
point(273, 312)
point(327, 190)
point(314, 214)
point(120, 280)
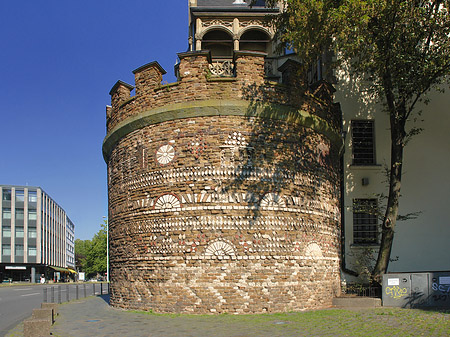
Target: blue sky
point(58, 61)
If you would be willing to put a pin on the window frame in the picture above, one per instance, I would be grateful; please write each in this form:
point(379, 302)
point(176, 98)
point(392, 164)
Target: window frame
point(32, 196)
point(6, 247)
point(5, 193)
point(360, 148)
point(31, 212)
point(367, 221)
point(7, 231)
point(16, 250)
point(30, 249)
point(6, 211)
point(20, 195)
point(20, 214)
point(19, 230)
point(32, 230)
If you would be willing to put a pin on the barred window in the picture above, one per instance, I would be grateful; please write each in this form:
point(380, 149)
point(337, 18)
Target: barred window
point(365, 221)
point(363, 144)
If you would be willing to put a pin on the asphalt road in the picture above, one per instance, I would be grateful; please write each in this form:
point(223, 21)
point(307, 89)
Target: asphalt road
point(17, 302)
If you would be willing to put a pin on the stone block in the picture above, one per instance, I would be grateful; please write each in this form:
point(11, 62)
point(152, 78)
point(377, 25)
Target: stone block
point(53, 306)
point(43, 314)
point(36, 327)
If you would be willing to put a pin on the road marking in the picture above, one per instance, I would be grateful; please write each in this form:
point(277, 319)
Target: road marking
point(21, 289)
point(30, 294)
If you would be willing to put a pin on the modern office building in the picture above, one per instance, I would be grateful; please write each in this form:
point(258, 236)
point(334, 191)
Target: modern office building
point(37, 236)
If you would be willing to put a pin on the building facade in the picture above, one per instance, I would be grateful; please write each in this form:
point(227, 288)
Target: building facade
point(37, 236)
point(223, 187)
point(420, 243)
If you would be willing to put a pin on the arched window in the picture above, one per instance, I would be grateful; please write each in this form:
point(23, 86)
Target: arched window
point(219, 43)
point(254, 40)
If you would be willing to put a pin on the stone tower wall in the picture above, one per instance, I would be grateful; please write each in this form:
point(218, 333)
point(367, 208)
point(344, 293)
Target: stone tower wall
point(223, 192)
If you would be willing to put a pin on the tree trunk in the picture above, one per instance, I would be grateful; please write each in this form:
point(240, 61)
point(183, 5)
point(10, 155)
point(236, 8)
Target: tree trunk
point(398, 136)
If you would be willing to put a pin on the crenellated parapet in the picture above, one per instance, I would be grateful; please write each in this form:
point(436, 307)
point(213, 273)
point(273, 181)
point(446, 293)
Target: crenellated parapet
point(200, 78)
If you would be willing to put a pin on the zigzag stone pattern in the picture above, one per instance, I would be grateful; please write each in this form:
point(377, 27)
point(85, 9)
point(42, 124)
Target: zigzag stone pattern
point(214, 213)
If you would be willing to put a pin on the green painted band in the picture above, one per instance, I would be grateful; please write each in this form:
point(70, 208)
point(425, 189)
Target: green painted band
point(210, 108)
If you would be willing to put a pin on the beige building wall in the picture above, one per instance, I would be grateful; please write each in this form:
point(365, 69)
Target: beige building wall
point(420, 244)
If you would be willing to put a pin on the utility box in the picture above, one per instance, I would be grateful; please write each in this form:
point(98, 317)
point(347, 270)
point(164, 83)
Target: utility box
point(413, 290)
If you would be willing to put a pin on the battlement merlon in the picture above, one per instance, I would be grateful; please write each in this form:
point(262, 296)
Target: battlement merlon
point(194, 65)
point(120, 92)
point(147, 78)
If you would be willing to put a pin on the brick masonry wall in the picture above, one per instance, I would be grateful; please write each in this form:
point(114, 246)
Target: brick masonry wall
point(196, 84)
point(225, 213)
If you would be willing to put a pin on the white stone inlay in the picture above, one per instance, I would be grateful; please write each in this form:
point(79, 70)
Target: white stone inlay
point(272, 199)
point(165, 154)
point(167, 201)
point(219, 249)
point(313, 250)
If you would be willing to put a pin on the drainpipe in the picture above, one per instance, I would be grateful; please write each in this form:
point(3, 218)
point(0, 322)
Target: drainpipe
point(342, 188)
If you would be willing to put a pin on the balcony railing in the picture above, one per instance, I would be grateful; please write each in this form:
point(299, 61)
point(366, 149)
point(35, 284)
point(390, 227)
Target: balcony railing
point(222, 68)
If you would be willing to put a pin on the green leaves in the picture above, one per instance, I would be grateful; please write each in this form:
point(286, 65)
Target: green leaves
point(90, 255)
point(403, 40)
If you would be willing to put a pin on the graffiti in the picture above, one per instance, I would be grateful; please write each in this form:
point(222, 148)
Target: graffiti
point(443, 288)
point(396, 292)
point(442, 298)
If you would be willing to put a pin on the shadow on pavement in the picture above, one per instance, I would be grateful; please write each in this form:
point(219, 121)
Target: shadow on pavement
point(105, 298)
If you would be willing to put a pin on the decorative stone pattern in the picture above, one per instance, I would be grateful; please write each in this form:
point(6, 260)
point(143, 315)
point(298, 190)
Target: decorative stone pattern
point(220, 212)
point(165, 154)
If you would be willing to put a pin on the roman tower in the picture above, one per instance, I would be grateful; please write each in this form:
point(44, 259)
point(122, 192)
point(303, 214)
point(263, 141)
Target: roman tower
point(224, 186)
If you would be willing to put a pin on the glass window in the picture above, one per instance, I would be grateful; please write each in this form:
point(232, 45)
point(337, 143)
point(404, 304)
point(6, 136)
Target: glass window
point(19, 250)
point(6, 213)
point(32, 196)
point(6, 249)
point(365, 221)
point(6, 232)
point(20, 196)
point(32, 251)
point(6, 194)
point(32, 232)
point(32, 215)
point(19, 213)
point(19, 232)
point(363, 142)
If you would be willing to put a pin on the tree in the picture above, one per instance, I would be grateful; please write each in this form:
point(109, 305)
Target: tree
point(81, 249)
point(400, 48)
point(90, 255)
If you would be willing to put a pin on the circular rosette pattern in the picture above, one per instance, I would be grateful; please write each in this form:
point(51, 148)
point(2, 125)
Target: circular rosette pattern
point(165, 154)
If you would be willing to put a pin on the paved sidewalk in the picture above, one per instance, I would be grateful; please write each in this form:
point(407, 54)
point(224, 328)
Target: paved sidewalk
point(92, 316)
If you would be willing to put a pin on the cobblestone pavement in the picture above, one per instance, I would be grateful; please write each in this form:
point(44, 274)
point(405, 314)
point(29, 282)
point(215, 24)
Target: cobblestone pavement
point(93, 317)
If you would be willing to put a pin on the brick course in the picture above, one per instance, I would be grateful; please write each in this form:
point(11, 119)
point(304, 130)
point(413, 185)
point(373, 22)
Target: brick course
point(218, 200)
